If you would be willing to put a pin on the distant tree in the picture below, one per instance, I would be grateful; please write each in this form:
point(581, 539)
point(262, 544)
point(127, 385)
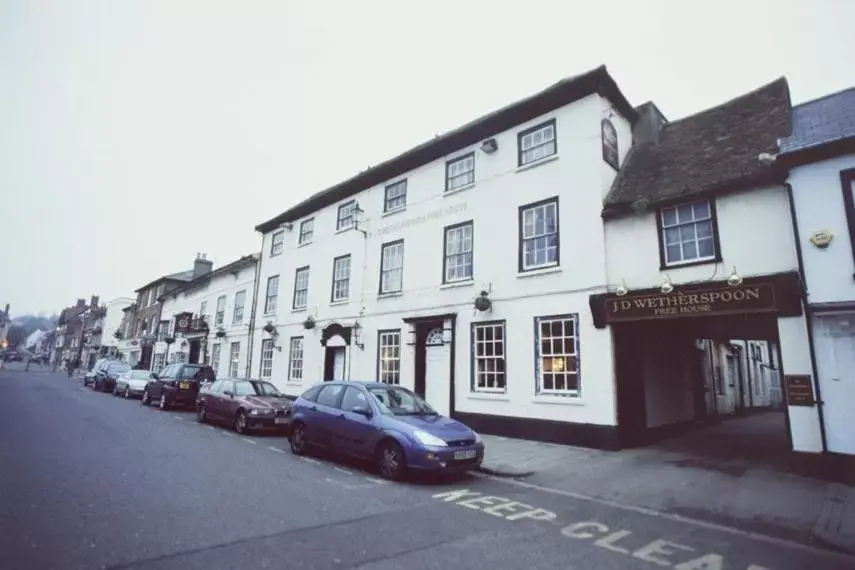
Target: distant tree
point(17, 335)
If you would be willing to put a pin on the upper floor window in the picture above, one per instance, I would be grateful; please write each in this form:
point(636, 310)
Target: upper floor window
point(687, 233)
point(272, 295)
point(346, 217)
point(277, 242)
point(307, 231)
point(240, 300)
point(539, 235)
point(537, 143)
point(457, 262)
point(395, 196)
point(341, 278)
point(460, 172)
point(221, 310)
point(301, 288)
point(203, 308)
point(392, 267)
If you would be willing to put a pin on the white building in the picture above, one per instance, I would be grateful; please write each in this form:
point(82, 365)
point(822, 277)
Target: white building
point(699, 245)
point(378, 276)
point(820, 157)
point(209, 319)
point(113, 321)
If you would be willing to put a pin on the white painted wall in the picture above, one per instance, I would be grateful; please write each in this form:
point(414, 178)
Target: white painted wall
point(113, 319)
point(576, 176)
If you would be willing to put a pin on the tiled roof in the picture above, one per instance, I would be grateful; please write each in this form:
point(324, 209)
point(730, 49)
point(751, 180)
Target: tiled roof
point(713, 150)
point(821, 121)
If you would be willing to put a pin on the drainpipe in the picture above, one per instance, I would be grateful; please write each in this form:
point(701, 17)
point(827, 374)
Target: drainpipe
point(250, 341)
point(808, 319)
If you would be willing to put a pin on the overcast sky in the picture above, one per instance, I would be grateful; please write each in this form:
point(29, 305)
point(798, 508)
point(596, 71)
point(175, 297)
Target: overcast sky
point(135, 133)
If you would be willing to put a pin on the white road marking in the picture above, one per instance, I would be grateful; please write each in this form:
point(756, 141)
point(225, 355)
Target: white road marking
point(345, 485)
point(179, 418)
point(670, 516)
point(249, 440)
point(310, 460)
point(376, 481)
point(276, 449)
point(212, 428)
point(345, 471)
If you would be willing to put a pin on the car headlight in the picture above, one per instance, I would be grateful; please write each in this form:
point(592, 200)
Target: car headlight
point(427, 439)
point(258, 412)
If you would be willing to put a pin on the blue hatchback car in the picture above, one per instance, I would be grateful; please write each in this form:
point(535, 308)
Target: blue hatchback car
point(387, 424)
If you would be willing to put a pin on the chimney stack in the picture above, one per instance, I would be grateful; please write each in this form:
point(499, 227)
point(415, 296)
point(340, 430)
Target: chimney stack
point(649, 124)
point(81, 302)
point(201, 265)
point(94, 302)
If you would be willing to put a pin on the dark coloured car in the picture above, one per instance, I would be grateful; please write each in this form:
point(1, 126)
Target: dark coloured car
point(89, 377)
point(387, 424)
point(246, 405)
point(105, 378)
point(177, 385)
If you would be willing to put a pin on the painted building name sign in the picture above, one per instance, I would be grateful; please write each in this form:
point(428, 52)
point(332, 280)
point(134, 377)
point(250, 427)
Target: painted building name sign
point(726, 300)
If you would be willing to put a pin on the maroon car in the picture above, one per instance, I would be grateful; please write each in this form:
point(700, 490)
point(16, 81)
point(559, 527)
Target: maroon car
point(246, 405)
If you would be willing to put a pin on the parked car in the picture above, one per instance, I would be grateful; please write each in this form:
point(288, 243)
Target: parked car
point(132, 383)
point(383, 423)
point(177, 385)
point(89, 377)
point(105, 378)
point(246, 405)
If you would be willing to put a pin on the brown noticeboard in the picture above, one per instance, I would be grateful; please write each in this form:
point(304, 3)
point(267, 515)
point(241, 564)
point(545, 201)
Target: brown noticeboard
point(705, 302)
point(799, 389)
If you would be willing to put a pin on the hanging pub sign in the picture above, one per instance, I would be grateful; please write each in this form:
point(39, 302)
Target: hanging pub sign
point(799, 390)
point(183, 322)
point(610, 144)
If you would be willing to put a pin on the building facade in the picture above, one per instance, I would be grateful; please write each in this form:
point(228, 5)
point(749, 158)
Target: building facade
point(461, 269)
point(113, 324)
point(209, 319)
point(819, 157)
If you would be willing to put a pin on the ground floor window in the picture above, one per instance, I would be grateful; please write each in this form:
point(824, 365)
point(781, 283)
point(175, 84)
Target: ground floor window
point(389, 356)
point(266, 359)
point(158, 363)
point(215, 357)
point(557, 355)
point(488, 357)
point(234, 359)
point(295, 361)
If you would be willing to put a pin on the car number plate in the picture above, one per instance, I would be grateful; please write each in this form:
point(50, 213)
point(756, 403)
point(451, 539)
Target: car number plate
point(468, 454)
point(281, 420)
point(184, 385)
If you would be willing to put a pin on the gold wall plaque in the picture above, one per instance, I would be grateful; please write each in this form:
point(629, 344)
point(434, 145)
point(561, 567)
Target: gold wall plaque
point(821, 238)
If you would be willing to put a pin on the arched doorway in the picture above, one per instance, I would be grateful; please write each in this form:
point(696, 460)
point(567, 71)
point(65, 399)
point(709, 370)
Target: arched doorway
point(436, 371)
point(335, 339)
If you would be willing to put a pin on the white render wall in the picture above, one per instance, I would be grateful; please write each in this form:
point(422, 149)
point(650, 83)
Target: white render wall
point(576, 176)
point(191, 301)
point(113, 319)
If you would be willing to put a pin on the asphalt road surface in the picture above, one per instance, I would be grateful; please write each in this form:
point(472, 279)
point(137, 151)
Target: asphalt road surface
point(90, 481)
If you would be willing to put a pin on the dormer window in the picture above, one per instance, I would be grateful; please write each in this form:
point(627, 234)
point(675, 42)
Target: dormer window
point(687, 234)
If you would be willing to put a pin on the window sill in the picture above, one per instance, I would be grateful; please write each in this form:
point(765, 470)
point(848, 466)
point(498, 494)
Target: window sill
point(339, 302)
point(304, 244)
point(459, 189)
point(342, 230)
point(300, 310)
point(693, 263)
point(558, 400)
point(455, 284)
point(393, 212)
point(277, 254)
point(269, 316)
point(390, 295)
point(539, 271)
point(497, 397)
point(294, 382)
point(537, 163)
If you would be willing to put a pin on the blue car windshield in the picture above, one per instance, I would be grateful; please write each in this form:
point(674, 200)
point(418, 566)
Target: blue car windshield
point(400, 402)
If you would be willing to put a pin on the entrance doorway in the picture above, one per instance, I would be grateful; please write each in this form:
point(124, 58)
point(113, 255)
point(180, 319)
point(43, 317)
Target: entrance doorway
point(195, 350)
point(335, 339)
point(834, 335)
point(433, 362)
point(334, 363)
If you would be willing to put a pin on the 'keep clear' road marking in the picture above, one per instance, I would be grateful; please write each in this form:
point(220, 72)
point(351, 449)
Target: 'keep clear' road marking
point(310, 460)
point(656, 552)
point(276, 449)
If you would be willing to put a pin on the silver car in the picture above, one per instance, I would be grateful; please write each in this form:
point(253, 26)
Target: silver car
point(131, 384)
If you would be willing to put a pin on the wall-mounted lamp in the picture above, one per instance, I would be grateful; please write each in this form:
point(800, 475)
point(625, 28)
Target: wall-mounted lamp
point(734, 280)
point(357, 336)
point(358, 218)
point(622, 289)
point(489, 146)
point(667, 287)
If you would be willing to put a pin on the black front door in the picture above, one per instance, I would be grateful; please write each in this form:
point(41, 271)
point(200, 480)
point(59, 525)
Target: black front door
point(194, 351)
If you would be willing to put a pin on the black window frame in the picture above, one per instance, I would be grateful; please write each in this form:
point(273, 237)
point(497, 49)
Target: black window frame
point(281, 243)
point(297, 272)
point(847, 187)
point(533, 129)
point(334, 280)
point(455, 160)
point(445, 230)
point(660, 235)
point(267, 296)
point(220, 315)
point(383, 248)
point(393, 185)
point(272, 344)
point(340, 219)
point(521, 268)
point(379, 368)
point(291, 340)
point(576, 356)
point(301, 235)
point(473, 384)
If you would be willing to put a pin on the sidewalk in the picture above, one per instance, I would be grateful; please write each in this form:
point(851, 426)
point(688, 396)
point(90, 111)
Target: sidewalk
point(709, 475)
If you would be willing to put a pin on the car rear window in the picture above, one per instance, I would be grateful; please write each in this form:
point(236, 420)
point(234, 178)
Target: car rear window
point(118, 367)
point(140, 374)
point(203, 373)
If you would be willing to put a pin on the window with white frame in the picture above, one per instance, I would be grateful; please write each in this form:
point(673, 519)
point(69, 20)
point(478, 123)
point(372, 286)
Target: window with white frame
point(346, 215)
point(539, 235)
point(215, 357)
point(221, 311)
point(234, 359)
point(203, 309)
point(557, 355)
point(488, 357)
point(389, 356)
point(392, 267)
point(295, 360)
point(395, 196)
point(457, 263)
point(307, 231)
point(157, 362)
point(460, 172)
point(277, 243)
point(537, 143)
point(272, 295)
point(341, 278)
point(301, 288)
point(266, 359)
point(687, 233)
point(240, 301)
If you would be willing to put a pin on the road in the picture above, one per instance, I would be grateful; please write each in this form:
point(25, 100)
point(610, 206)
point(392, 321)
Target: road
point(90, 481)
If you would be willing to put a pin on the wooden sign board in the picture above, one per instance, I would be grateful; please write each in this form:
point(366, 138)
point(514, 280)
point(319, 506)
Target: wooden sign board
point(799, 390)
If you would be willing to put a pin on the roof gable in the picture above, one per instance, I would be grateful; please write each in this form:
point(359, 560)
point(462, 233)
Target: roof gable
point(822, 121)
